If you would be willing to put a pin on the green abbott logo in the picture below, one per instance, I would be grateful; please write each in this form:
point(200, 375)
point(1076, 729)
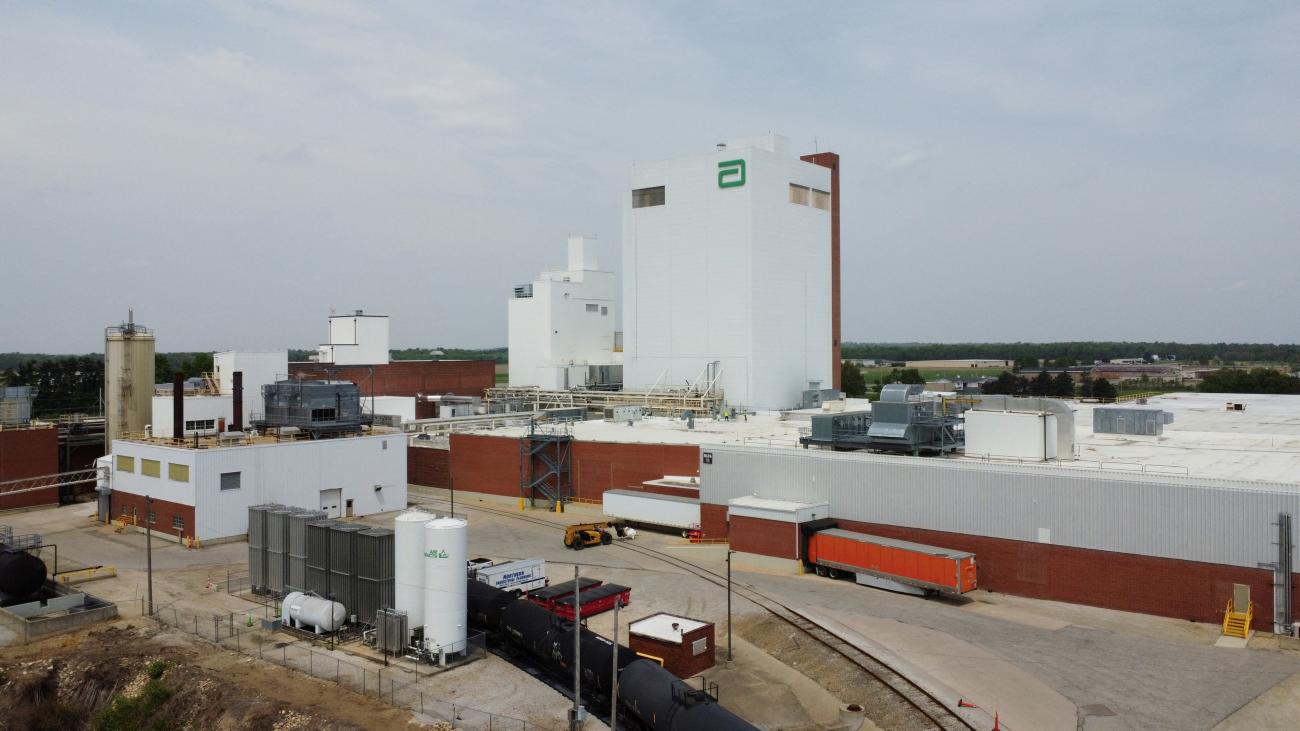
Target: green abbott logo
point(731, 174)
point(435, 553)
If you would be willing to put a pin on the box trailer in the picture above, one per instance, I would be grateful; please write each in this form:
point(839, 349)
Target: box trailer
point(646, 508)
point(888, 563)
point(516, 576)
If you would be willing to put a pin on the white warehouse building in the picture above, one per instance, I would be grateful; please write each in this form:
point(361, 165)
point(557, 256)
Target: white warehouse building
point(205, 493)
point(562, 325)
point(728, 257)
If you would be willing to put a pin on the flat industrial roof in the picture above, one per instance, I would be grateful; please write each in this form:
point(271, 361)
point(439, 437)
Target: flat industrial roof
point(1261, 443)
point(654, 496)
point(762, 503)
point(660, 627)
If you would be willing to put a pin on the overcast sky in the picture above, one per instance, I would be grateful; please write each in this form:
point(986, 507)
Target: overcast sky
point(1011, 171)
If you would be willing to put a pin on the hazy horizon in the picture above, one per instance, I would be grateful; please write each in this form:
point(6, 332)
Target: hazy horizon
point(1011, 172)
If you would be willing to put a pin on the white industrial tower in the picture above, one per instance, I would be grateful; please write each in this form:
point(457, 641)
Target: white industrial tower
point(727, 257)
point(562, 324)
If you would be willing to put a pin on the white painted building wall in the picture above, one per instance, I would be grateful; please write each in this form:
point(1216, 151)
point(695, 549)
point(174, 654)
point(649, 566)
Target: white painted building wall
point(740, 275)
point(355, 339)
point(369, 470)
point(402, 407)
point(259, 368)
point(567, 324)
point(217, 409)
point(1016, 434)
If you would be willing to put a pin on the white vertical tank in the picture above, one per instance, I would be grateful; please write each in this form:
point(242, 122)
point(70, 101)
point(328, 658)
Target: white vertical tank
point(408, 563)
point(446, 549)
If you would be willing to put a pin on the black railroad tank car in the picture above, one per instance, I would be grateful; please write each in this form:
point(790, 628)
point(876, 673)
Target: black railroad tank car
point(529, 627)
point(662, 702)
point(597, 654)
point(485, 604)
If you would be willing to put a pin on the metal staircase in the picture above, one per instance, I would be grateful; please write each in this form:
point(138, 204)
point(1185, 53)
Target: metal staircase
point(546, 465)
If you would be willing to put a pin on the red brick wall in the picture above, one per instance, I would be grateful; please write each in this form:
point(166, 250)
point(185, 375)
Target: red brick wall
point(490, 464)
point(163, 510)
point(428, 466)
point(832, 161)
point(764, 537)
point(1151, 585)
point(600, 466)
point(713, 520)
point(410, 377)
point(690, 492)
point(29, 453)
point(481, 463)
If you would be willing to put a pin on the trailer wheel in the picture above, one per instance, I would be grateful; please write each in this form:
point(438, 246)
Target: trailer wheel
point(821, 570)
point(833, 573)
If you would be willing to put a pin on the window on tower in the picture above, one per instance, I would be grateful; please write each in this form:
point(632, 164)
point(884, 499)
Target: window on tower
point(646, 197)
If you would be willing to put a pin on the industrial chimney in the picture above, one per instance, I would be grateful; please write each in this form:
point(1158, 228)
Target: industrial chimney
point(237, 397)
point(178, 406)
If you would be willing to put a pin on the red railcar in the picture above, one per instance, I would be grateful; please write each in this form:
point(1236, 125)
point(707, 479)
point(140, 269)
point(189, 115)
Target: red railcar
point(890, 563)
point(591, 601)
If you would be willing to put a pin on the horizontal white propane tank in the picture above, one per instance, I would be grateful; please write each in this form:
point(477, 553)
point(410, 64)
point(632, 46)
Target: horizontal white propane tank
point(303, 610)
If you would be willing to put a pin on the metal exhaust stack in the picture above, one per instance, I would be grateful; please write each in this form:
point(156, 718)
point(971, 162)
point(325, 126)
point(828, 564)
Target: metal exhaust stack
point(178, 406)
point(237, 389)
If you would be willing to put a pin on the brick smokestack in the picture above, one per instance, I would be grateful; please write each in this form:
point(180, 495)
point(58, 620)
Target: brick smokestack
point(832, 161)
point(237, 396)
point(178, 406)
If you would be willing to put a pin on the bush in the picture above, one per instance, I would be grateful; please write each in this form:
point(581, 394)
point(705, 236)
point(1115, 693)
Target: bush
point(130, 714)
point(155, 669)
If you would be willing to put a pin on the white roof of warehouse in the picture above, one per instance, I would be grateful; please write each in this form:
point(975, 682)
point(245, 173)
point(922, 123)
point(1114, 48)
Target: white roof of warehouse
point(660, 627)
point(762, 503)
point(1261, 443)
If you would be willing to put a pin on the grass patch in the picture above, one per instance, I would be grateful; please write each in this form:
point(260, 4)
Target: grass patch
point(131, 714)
point(155, 669)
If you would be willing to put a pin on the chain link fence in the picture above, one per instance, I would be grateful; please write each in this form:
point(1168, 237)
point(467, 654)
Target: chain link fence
point(394, 686)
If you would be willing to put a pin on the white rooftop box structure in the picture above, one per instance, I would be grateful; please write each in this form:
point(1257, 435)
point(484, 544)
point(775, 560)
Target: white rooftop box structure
point(355, 339)
point(259, 368)
point(204, 415)
point(1011, 434)
point(563, 322)
point(727, 257)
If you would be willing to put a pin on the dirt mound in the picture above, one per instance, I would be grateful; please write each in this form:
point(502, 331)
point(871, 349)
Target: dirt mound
point(126, 677)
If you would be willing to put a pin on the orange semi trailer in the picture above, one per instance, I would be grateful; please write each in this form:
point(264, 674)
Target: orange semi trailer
point(887, 563)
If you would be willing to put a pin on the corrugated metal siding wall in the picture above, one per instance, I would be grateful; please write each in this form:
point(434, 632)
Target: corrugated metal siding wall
point(1193, 519)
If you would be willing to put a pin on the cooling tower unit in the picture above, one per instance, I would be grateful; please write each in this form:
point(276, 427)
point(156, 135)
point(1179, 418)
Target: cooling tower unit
point(408, 557)
point(446, 549)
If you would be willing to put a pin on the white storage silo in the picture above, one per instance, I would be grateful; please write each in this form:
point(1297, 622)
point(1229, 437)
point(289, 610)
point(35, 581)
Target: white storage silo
point(408, 562)
point(446, 549)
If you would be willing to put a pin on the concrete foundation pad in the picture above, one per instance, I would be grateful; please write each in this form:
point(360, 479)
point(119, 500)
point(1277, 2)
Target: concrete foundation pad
point(1019, 616)
point(741, 561)
point(970, 672)
point(1275, 708)
point(1238, 643)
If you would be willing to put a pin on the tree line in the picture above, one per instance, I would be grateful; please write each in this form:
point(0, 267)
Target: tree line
point(1029, 355)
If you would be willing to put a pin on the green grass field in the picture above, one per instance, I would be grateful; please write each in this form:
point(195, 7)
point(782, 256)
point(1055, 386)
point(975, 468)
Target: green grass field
point(931, 374)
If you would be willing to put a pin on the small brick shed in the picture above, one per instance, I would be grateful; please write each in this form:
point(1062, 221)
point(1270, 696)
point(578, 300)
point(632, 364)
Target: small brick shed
point(686, 645)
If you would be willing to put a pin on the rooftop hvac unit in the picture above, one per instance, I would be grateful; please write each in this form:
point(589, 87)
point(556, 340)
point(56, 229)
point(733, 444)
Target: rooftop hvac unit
point(315, 407)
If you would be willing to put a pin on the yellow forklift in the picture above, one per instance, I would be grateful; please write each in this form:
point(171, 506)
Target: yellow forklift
point(580, 535)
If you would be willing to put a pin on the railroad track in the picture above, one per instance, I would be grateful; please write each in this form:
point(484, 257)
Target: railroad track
point(919, 699)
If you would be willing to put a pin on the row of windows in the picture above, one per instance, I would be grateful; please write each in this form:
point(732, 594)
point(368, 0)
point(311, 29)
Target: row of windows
point(806, 196)
point(178, 523)
point(201, 425)
point(153, 468)
point(801, 194)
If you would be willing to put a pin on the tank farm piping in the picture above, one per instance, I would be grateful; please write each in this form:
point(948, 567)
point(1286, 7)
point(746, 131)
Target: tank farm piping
point(920, 700)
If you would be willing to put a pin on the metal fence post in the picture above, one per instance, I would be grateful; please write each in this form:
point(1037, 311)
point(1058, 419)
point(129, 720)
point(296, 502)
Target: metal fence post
point(311, 663)
point(336, 670)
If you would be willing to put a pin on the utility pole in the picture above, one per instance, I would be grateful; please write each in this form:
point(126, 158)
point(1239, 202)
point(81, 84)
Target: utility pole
point(729, 552)
point(613, 671)
point(575, 716)
point(148, 547)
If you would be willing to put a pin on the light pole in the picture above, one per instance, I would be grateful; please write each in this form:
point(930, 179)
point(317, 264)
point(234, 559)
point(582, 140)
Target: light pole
point(613, 671)
point(148, 547)
point(729, 552)
point(575, 717)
